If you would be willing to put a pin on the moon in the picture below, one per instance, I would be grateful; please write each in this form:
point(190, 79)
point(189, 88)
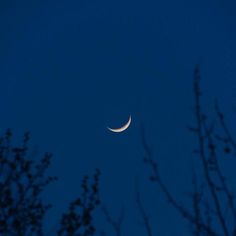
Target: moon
point(123, 128)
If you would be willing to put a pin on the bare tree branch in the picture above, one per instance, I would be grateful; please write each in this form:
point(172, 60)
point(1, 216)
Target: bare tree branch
point(141, 209)
point(200, 124)
point(115, 224)
point(155, 177)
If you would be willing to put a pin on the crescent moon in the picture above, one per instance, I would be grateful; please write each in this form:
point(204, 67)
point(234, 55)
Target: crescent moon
point(123, 128)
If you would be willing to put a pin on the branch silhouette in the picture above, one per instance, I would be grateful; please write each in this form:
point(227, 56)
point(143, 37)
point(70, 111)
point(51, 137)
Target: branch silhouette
point(142, 210)
point(115, 224)
point(208, 215)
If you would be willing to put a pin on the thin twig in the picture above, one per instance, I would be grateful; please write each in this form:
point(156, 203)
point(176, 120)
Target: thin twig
point(200, 118)
point(155, 177)
point(116, 224)
point(141, 209)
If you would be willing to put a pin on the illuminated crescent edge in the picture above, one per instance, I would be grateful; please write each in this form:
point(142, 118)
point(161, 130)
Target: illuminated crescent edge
point(123, 128)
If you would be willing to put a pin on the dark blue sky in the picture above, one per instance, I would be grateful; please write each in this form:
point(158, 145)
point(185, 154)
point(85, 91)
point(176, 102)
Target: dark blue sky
point(69, 69)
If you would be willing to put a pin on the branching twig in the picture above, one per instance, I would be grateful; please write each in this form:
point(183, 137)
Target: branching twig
point(200, 125)
point(196, 199)
point(115, 224)
point(155, 177)
point(141, 209)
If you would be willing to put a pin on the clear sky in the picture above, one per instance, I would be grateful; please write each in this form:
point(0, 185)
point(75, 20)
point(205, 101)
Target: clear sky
point(69, 69)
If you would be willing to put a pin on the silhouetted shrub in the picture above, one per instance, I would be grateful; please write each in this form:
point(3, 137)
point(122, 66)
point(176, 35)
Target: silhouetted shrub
point(22, 180)
point(79, 218)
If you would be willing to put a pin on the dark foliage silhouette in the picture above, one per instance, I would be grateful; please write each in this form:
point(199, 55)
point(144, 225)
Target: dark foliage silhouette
point(79, 218)
point(21, 183)
point(22, 180)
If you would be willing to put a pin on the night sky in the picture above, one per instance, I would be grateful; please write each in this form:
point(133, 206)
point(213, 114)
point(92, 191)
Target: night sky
point(69, 69)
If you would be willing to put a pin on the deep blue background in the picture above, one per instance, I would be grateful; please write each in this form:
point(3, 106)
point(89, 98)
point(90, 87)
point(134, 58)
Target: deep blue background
point(69, 69)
